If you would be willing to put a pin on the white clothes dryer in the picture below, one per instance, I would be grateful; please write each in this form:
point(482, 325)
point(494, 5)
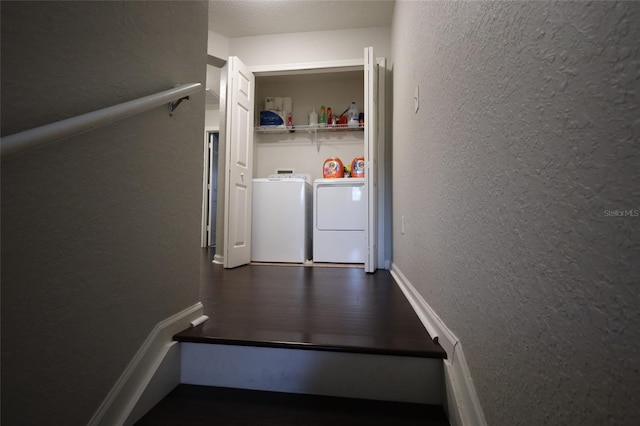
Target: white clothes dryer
point(339, 220)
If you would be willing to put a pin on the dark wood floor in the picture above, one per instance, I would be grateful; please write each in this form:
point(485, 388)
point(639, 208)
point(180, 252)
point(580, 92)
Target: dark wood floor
point(322, 308)
point(203, 406)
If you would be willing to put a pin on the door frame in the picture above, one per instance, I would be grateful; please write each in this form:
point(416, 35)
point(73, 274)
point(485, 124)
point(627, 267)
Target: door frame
point(207, 176)
point(205, 190)
point(384, 216)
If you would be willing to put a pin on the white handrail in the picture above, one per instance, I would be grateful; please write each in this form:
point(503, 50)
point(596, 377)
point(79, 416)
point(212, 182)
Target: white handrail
point(36, 137)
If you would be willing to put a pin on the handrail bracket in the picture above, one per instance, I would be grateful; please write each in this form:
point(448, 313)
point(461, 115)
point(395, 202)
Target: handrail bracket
point(174, 105)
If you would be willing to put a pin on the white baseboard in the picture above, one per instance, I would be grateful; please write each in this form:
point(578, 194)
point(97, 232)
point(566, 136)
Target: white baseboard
point(462, 404)
point(350, 375)
point(157, 354)
point(165, 378)
point(218, 259)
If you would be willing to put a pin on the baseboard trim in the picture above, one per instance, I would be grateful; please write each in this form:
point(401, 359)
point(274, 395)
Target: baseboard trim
point(150, 358)
point(218, 259)
point(462, 404)
point(165, 378)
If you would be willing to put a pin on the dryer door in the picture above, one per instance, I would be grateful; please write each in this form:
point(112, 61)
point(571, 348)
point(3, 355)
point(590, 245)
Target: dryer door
point(341, 207)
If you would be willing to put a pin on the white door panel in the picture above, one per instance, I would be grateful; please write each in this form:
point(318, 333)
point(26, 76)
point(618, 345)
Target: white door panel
point(242, 136)
point(239, 149)
point(241, 209)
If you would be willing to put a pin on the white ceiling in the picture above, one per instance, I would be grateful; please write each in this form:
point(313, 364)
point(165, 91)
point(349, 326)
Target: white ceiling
point(241, 18)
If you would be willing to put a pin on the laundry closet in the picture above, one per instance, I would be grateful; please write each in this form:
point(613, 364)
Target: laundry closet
point(265, 160)
point(306, 149)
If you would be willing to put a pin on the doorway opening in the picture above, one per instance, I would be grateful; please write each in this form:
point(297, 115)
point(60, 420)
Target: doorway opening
point(211, 193)
point(210, 230)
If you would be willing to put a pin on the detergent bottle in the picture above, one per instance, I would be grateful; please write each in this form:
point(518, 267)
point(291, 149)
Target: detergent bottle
point(332, 168)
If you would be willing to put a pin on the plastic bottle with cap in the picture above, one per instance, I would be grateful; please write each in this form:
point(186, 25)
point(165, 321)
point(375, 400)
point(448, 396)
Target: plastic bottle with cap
point(313, 118)
point(352, 115)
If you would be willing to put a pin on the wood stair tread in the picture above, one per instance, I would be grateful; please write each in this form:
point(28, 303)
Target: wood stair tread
point(202, 405)
point(209, 333)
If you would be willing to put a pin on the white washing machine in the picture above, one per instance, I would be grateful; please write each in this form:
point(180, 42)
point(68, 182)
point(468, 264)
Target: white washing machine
point(339, 220)
point(281, 219)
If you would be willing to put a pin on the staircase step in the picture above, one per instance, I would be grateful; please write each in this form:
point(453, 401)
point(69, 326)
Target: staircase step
point(317, 372)
point(322, 331)
point(331, 309)
point(202, 405)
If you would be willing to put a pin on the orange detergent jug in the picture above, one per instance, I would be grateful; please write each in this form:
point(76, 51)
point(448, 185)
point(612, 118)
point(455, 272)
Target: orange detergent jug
point(357, 167)
point(332, 168)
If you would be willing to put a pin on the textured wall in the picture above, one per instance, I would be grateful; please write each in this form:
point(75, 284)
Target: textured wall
point(100, 232)
point(510, 177)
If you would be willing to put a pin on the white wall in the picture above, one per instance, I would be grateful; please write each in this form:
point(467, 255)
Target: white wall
point(100, 232)
point(213, 78)
point(313, 46)
point(212, 111)
point(217, 45)
point(212, 119)
point(527, 134)
point(302, 154)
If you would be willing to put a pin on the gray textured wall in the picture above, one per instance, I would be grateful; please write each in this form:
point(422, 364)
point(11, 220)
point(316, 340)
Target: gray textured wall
point(525, 146)
point(100, 232)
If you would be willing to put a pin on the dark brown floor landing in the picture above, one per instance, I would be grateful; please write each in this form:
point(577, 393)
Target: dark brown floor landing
point(334, 309)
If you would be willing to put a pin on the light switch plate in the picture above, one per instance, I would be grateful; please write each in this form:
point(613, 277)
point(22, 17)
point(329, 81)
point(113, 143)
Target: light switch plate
point(416, 98)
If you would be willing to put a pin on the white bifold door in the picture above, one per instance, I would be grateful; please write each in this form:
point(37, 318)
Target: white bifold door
point(239, 164)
